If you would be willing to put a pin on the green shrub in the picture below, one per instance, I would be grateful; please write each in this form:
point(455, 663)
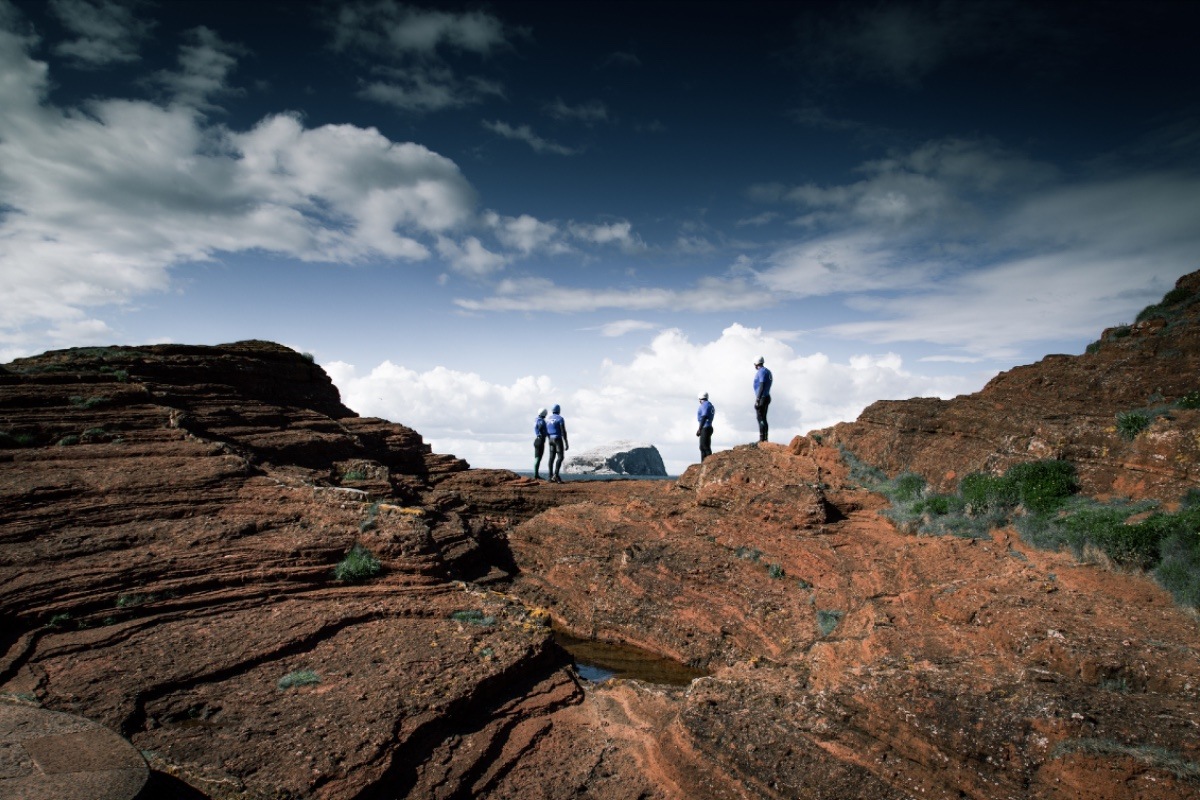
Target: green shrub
point(775, 571)
point(748, 553)
point(355, 475)
point(1179, 570)
point(982, 492)
point(1120, 332)
point(13, 440)
point(1189, 400)
point(1131, 423)
point(301, 677)
point(358, 565)
point(939, 505)
point(473, 617)
point(69, 440)
point(827, 621)
point(906, 487)
point(1042, 486)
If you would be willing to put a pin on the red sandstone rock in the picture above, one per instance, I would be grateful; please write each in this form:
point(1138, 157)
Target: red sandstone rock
point(171, 561)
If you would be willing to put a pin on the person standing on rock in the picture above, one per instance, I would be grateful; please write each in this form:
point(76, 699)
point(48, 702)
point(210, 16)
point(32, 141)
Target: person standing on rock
point(704, 416)
point(762, 396)
point(539, 442)
point(556, 432)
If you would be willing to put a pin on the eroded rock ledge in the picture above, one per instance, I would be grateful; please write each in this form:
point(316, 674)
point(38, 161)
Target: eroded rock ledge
point(171, 518)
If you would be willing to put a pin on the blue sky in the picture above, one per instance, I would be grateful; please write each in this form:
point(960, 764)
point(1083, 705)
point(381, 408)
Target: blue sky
point(469, 211)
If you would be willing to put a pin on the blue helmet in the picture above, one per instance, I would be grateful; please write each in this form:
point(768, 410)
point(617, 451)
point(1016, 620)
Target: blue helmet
point(557, 408)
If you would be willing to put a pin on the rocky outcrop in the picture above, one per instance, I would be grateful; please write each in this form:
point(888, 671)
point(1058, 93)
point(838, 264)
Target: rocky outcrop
point(1063, 407)
point(171, 519)
point(618, 458)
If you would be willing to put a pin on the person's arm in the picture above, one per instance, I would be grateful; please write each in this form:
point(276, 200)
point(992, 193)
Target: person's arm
point(566, 444)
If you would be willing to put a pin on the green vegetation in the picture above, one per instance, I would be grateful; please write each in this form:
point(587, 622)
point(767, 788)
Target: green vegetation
point(1150, 755)
point(775, 570)
point(14, 440)
point(1039, 498)
point(370, 523)
point(301, 677)
point(473, 617)
point(67, 441)
point(358, 565)
point(1131, 423)
point(828, 620)
point(748, 553)
point(134, 600)
point(355, 475)
point(89, 402)
point(1189, 400)
point(59, 620)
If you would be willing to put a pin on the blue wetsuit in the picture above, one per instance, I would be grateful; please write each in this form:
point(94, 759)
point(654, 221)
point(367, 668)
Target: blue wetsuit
point(762, 399)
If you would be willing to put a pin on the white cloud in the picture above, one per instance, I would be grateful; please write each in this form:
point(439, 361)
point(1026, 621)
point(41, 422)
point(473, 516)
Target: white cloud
point(526, 233)
point(106, 32)
point(854, 261)
point(204, 65)
point(99, 203)
point(415, 53)
point(619, 233)
point(622, 327)
point(470, 257)
point(650, 398)
point(524, 133)
point(537, 294)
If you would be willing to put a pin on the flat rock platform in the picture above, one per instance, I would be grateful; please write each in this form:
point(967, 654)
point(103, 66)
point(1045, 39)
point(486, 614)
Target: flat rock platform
point(47, 755)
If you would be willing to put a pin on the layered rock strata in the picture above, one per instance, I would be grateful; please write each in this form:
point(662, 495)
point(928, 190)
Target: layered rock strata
point(171, 519)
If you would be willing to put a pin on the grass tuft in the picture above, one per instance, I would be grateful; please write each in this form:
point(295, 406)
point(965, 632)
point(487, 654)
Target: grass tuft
point(301, 677)
point(358, 565)
point(827, 621)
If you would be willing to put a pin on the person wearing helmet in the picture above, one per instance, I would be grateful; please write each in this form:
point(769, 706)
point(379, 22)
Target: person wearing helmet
point(539, 442)
point(556, 433)
point(704, 416)
point(762, 396)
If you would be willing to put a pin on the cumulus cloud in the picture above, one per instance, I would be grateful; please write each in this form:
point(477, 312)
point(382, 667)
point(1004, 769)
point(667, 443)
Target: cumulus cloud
point(105, 31)
point(98, 203)
point(204, 66)
point(526, 234)
point(415, 52)
point(651, 398)
point(469, 256)
point(524, 133)
point(619, 233)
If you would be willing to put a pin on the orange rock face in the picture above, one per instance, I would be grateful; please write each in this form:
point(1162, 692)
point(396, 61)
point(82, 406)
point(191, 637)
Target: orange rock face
point(171, 519)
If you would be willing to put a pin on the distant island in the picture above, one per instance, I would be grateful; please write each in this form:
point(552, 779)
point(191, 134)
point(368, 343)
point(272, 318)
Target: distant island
point(618, 458)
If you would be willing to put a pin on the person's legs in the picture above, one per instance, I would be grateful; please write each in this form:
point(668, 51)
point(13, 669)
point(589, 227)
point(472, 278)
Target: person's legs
point(705, 443)
point(556, 457)
point(539, 447)
point(761, 410)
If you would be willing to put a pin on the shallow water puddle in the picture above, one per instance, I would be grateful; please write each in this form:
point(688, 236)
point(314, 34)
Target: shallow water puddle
point(600, 661)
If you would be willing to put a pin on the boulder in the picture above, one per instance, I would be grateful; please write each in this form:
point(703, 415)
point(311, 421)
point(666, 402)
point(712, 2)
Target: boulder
point(618, 458)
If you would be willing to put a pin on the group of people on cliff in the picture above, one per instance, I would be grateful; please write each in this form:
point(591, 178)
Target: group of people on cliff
point(552, 428)
point(706, 413)
point(549, 427)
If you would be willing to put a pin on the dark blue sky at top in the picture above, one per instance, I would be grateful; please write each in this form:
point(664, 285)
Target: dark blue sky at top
point(717, 96)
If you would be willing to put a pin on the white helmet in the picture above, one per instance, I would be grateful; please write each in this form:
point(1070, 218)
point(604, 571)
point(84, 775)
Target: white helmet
point(703, 396)
point(541, 412)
